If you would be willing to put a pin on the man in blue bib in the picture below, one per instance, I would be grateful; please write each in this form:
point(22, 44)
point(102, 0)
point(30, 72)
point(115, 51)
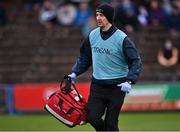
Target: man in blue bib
point(116, 66)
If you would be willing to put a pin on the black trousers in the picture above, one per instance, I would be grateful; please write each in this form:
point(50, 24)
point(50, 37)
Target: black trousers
point(107, 101)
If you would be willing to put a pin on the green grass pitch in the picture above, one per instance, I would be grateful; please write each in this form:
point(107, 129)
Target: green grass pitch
point(159, 121)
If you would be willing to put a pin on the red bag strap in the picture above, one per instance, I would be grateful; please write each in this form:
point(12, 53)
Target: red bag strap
point(60, 103)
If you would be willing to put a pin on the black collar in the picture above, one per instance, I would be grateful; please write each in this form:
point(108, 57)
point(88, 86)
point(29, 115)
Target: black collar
point(107, 34)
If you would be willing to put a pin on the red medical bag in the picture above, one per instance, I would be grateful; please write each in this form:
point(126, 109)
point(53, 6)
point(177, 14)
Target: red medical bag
point(67, 105)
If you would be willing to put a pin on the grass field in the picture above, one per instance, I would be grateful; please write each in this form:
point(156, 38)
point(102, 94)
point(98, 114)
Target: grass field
point(160, 121)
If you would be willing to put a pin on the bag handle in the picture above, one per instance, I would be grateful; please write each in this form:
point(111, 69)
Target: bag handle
point(67, 82)
point(68, 85)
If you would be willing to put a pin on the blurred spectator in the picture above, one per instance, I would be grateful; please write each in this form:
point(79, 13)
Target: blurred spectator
point(126, 16)
point(145, 3)
point(83, 13)
point(167, 7)
point(118, 13)
point(115, 3)
point(143, 15)
point(33, 5)
point(168, 58)
point(168, 55)
point(89, 26)
point(78, 1)
point(176, 3)
point(173, 21)
point(3, 16)
point(66, 14)
point(156, 13)
point(48, 14)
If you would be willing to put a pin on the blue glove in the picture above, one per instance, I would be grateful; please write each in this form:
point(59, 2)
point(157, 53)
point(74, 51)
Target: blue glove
point(125, 87)
point(72, 77)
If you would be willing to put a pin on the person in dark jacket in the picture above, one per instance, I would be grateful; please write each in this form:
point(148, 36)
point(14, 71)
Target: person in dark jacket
point(116, 66)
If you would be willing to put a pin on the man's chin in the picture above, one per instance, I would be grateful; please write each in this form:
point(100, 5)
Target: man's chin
point(99, 25)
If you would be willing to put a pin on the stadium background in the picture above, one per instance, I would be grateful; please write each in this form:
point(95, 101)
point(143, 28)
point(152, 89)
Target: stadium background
point(34, 56)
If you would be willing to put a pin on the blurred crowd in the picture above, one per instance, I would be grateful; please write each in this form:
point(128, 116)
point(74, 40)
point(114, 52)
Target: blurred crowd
point(130, 16)
point(3, 17)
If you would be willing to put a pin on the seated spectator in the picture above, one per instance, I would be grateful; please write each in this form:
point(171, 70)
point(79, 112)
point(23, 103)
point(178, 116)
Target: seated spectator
point(156, 13)
point(90, 25)
point(145, 3)
point(173, 21)
point(33, 5)
point(48, 14)
point(78, 1)
point(143, 16)
point(126, 16)
point(83, 13)
point(3, 16)
point(168, 56)
point(115, 3)
point(176, 3)
point(167, 7)
point(66, 14)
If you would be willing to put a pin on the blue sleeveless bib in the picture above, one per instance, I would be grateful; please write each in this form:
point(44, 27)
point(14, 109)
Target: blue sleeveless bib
point(107, 55)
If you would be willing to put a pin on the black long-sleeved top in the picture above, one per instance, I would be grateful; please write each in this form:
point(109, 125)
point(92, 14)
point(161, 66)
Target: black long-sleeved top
point(132, 57)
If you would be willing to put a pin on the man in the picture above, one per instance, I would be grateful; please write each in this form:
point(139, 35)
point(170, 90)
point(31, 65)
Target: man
point(116, 65)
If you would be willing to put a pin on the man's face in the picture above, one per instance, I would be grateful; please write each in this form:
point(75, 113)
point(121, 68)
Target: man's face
point(101, 20)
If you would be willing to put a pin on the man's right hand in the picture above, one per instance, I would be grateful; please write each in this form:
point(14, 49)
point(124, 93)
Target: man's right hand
point(72, 77)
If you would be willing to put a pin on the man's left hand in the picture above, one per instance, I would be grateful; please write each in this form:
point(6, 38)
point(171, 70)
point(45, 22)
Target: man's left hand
point(125, 87)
